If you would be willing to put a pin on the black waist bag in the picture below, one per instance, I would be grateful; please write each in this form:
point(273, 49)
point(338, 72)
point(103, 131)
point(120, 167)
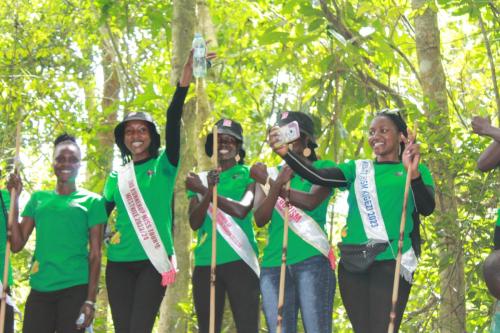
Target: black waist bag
point(357, 258)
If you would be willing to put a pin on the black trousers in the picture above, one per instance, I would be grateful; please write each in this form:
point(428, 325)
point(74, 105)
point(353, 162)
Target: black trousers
point(54, 311)
point(8, 326)
point(135, 294)
point(242, 287)
point(367, 296)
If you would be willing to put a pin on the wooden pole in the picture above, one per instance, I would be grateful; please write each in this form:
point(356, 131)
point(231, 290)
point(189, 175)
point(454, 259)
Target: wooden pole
point(395, 288)
point(10, 221)
point(281, 295)
point(214, 237)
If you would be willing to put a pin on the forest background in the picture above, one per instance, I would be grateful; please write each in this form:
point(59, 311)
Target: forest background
point(77, 65)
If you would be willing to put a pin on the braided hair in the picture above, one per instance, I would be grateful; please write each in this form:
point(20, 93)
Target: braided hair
point(399, 122)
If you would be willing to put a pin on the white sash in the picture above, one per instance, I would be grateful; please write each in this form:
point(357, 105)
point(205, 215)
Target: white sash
point(304, 226)
point(233, 234)
point(373, 222)
point(8, 299)
point(143, 223)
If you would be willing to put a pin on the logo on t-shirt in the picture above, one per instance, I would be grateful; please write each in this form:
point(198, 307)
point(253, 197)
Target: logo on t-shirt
point(399, 173)
point(150, 172)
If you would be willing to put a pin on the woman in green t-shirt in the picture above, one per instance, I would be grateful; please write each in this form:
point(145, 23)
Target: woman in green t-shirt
point(376, 191)
point(139, 266)
point(237, 272)
point(310, 278)
point(4, 216)
point(65, 270)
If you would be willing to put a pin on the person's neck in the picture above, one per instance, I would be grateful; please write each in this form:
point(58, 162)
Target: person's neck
point(391, 157)
point(65, 188)
point(227, 164)
point(141, 157)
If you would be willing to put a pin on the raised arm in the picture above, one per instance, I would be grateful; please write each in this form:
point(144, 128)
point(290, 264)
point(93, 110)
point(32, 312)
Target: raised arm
point(329, 177)
point(173, 126)
point(174, 112)
point(490, 158)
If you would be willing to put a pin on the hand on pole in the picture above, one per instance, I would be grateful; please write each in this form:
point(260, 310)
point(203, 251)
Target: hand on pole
point(213, 178)
point(15, 183)
point(411, 155)
point(258, 172)
point(284, 176)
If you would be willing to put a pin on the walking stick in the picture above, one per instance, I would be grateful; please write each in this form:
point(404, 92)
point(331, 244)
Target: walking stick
point(395, 288)
point(281, 295)
point(10, 220)
point(214, 238)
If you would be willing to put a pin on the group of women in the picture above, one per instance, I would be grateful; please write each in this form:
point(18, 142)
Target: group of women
point(69, 224)
point(376, 191)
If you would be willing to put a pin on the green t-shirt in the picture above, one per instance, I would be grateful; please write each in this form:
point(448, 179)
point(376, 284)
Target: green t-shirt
point(3, 237)
point(62, 224)
point(498, 218)
point(390, 179)
point(298, 249)
point(156, 180)
point(233, 184)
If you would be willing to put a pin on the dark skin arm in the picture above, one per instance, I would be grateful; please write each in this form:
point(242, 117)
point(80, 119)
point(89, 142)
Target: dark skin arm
point(303, 200)
point(19, 232)
point(264, 211)
point(95, 239)
point(198, 209)
point(490, 158)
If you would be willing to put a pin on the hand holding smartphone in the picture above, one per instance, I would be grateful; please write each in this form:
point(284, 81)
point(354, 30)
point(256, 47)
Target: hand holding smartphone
point(288, 133)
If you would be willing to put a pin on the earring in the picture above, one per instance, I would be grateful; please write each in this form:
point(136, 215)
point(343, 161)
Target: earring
point(237, 158)
point(306, 152)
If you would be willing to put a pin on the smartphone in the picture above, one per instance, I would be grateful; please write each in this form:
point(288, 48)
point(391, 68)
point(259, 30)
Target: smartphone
point(289, 133)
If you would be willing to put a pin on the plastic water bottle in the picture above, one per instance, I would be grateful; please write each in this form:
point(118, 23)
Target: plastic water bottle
point(199, 56)
point(81, 320)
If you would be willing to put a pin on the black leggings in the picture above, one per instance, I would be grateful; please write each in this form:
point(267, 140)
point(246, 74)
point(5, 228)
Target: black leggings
point(9, 319)
point(135, 294)
point(242, 286)
point(367, 296)
point(48, 312)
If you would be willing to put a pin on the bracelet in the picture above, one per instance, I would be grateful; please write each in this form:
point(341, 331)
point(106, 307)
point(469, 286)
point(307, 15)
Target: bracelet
point(92, 304)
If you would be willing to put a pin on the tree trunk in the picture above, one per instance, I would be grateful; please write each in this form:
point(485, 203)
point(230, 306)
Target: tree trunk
point(102, 149)
point(175, 311)
point(452, 311)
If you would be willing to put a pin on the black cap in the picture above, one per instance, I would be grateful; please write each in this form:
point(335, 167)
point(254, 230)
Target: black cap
point(144, 116)
point(306, 124)
point(229, 127)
